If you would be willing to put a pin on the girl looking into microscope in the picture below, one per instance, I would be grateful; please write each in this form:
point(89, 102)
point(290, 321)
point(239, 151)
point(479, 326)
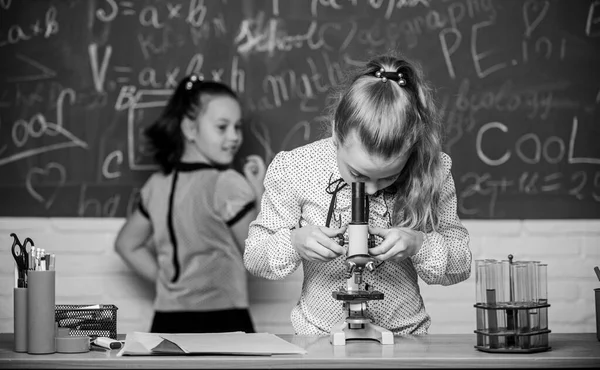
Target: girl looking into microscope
point(386, 134)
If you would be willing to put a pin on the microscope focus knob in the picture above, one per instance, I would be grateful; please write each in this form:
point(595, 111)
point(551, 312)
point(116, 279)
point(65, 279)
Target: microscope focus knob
point(370, 266)
point(371, 241)
point(350, 267)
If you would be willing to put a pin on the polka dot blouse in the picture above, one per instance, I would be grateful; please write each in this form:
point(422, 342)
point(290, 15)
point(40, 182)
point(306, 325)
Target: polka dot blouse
point(295, 196)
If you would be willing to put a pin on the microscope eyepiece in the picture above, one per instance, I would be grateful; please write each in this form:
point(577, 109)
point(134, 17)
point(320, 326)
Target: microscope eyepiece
point(358, 202)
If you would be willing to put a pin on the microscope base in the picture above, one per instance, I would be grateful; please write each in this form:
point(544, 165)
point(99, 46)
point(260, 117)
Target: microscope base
point(341, 332)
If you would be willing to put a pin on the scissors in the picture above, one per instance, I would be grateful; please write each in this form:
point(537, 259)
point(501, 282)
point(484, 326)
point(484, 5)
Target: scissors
point(21, 255)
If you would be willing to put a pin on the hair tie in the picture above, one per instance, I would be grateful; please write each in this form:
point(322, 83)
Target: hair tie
point(192, 80)
point(394, 76)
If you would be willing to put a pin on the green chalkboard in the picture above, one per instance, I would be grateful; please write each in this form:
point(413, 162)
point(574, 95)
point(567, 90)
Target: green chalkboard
point(516, 81)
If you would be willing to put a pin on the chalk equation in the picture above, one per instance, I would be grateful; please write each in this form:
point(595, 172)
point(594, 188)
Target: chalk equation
point(482, 193)
point(81, 81)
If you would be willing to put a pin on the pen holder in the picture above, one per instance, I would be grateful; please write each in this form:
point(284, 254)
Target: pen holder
point(40, 312)
point(20, 319)
point(597, 299)
point(88, 320)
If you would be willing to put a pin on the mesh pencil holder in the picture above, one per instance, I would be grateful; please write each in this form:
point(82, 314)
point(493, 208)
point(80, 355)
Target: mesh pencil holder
point(88, 320)
point(512, 306)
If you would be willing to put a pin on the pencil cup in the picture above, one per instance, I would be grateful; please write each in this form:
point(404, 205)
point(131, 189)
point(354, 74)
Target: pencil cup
point(597, 293)
point(40, 312)
point(20, 319)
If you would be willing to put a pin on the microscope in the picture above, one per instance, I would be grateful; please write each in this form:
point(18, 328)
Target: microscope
point(356, 325)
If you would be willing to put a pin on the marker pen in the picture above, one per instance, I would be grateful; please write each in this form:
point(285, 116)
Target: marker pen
point(109, 343)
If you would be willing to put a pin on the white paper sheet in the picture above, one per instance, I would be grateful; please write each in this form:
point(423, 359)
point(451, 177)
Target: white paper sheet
point(236, 343)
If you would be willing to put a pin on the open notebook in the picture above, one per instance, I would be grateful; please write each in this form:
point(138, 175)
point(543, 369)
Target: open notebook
point(234, 343)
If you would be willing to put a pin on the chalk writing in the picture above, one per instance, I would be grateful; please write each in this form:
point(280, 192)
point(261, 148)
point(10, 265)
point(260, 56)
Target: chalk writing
point(543, 46)
point(99, 73)
point(22, 130)
point(460, 114)
point(122, 70)
point(53, 170)
point(477, 55)
point(306, 87)
point(94, 207)
point(315, 4)
point(17, 33)
point(149, 17)
point(203, 32)
point(5, 4)
point(551, 149)
point(174, 10)
point(533, 14)
point(152, 46)
point(572, 144)
point(197, 13)
point(44, 72)
point(447, 21)
point(105, 16)
point(512, 80)
point(135, 102)
point(483, 186)
point(114, 158)
point(389, 6)
point(261, 35)
point(592, 23)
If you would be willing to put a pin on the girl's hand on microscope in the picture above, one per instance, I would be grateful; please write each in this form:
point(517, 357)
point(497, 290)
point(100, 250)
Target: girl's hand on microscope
point(316, 243)
point(398, 243)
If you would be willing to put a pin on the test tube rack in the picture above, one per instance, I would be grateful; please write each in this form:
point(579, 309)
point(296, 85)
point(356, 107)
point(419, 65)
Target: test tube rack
point(512, 306)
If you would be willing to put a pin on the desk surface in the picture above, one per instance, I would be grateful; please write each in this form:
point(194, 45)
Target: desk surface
point(434, 350)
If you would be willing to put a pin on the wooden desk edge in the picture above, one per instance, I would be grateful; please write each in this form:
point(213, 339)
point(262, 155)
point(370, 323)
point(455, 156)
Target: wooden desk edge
point(434, 351)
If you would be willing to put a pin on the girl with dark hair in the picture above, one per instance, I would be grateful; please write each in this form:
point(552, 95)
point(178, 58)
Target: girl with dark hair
point(385, 134)
point(187, 234)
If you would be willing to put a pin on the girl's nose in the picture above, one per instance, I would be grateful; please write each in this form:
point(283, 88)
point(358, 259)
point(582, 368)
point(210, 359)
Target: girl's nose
point(233, 134)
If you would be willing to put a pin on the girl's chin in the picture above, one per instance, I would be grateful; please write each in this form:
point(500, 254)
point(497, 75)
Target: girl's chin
point(225, 159)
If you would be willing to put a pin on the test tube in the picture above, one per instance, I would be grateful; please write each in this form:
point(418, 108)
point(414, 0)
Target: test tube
point(480, 298)
point(480, 280)
point(492, 318)
point(490, 283)
point(542, 269)
point(511, 314)
point(522, 294)
point(491, 298)
point(502, 297)
point(503, 282)
point(532, 269)
point(491, 294)
point(532, 280)
point(542, 273)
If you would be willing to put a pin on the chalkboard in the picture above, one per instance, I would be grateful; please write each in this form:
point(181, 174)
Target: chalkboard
point(517, 82)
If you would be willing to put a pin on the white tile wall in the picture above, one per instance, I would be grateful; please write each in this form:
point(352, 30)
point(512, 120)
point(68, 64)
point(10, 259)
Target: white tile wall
point(90, 272)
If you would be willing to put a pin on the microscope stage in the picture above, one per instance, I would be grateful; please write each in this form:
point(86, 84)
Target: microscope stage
point(357, 296)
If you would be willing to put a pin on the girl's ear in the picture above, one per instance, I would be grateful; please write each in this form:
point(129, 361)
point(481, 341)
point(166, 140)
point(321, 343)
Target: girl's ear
point(188, 128)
